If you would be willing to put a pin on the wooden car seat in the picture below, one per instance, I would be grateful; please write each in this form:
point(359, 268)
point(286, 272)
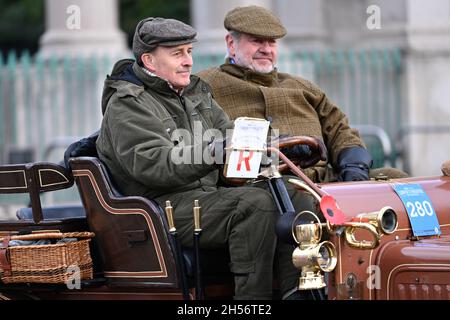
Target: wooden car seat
point(131, 234)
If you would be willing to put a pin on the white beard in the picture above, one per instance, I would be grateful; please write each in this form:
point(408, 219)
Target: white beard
point(242, 61)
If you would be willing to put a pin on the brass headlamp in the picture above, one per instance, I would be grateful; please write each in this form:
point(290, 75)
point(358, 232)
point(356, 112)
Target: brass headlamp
point(311, 256)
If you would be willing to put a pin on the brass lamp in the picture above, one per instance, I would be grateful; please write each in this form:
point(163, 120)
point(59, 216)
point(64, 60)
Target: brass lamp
point(311, 256)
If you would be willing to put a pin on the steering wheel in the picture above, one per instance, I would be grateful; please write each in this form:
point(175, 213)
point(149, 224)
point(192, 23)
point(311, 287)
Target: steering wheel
point(290, 141)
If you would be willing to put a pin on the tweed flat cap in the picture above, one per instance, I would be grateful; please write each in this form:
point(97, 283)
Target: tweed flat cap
point(256, 21)
point(152, 32)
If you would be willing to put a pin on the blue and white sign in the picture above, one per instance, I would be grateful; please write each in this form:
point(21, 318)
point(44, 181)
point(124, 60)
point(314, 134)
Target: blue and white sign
point(421, 213)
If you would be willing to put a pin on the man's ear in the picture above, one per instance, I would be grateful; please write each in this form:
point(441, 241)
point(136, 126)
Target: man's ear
point(230, 45)
point(148, 61)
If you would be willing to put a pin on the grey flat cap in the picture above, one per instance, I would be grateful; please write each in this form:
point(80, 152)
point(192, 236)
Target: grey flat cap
point(256, 21)
point(152, 32)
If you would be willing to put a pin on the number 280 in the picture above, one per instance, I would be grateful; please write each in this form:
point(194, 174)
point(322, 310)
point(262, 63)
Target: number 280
point(421, 209)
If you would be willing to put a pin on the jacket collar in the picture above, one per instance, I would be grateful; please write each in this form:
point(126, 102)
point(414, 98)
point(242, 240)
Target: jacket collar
point(244, 73)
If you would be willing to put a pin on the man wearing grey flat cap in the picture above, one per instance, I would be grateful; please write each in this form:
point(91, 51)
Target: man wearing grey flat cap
point(248, 84)
point(146, 104)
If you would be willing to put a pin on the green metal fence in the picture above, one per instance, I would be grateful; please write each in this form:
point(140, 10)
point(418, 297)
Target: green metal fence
point(44, 104)
point(44, 100)
point(365, 84)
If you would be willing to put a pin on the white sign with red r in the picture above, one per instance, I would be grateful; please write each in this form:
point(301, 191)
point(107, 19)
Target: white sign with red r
point(247, 144)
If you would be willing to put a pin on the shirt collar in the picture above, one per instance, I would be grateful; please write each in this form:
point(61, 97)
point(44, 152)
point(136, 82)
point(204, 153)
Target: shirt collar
point(151, 74)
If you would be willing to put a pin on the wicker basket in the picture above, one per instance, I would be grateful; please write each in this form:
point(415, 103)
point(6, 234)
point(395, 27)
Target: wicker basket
point(45, 263)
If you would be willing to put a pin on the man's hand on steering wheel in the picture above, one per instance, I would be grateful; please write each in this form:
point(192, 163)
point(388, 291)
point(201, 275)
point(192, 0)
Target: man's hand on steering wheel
point(305, 155)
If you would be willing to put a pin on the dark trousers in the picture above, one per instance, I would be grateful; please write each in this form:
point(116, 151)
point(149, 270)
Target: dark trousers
point(243, 220)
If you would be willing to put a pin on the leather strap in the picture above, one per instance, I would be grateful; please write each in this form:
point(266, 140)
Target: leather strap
point(5, 264)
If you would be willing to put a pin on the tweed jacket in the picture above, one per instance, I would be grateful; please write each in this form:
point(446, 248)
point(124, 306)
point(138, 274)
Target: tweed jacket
point(294, 106)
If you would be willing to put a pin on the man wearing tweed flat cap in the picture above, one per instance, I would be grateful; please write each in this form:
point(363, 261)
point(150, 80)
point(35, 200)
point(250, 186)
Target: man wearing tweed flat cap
point(248, 84)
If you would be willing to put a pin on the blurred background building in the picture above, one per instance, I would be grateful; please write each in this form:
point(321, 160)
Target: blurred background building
point(385, 63)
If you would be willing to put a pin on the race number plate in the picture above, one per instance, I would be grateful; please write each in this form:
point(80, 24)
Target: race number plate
point(422, 216)
point(248, 141)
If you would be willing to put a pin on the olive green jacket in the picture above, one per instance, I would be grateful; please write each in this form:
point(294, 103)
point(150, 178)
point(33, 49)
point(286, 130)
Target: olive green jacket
point(140, 134)
point(294, 105)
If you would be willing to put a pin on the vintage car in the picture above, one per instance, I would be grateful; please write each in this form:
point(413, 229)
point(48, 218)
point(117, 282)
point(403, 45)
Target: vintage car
point(373, 240)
